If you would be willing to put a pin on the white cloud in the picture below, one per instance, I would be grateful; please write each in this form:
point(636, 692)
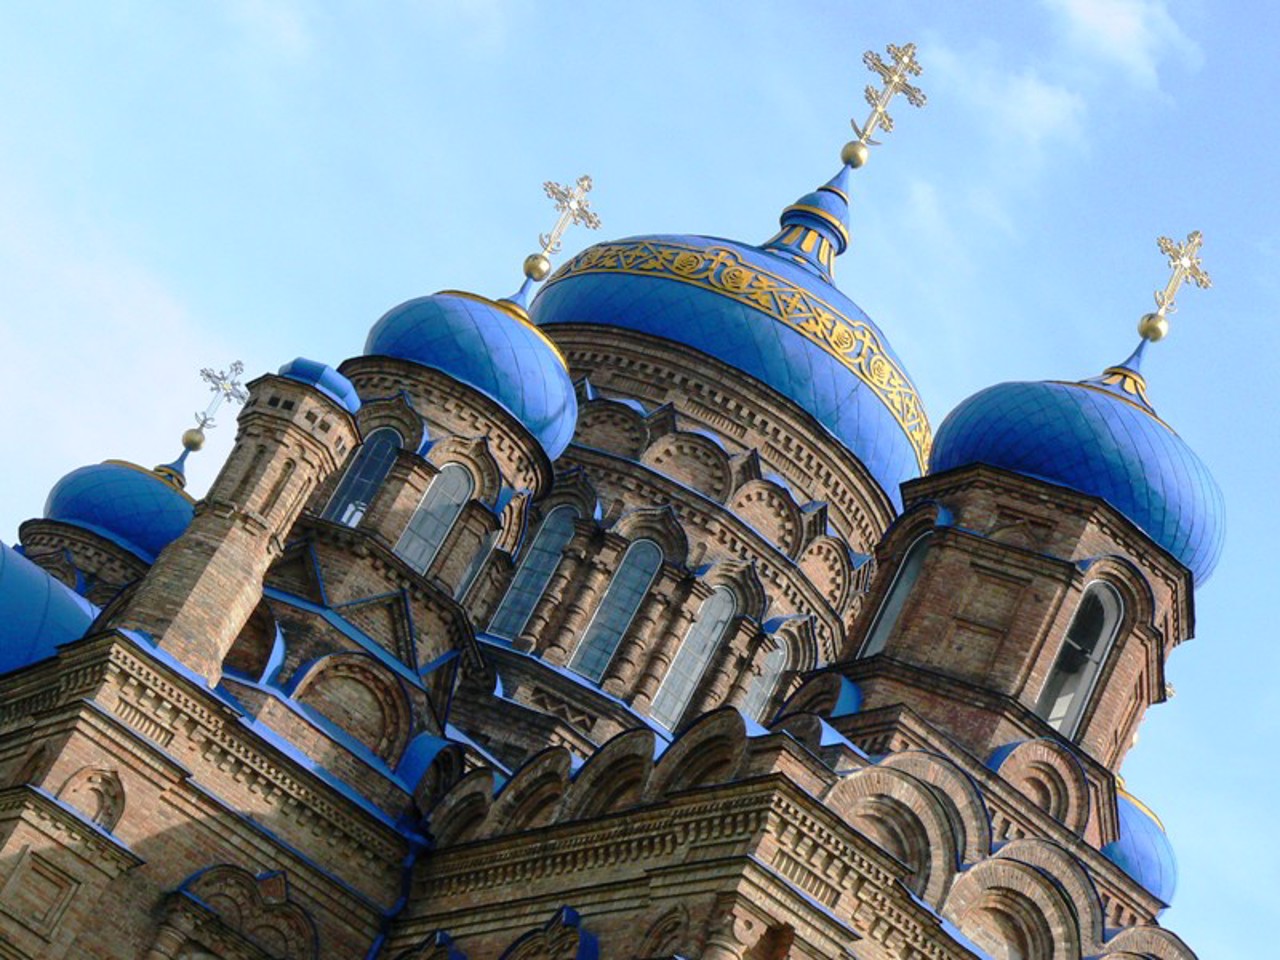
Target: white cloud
point(1134, 35)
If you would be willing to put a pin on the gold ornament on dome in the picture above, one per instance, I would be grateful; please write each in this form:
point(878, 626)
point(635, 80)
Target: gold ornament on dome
point(574, 209)
point(855, 343)
point(1184, 262)
point(895, 75)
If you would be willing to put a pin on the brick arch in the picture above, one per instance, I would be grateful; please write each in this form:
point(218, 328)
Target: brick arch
point(256, 907)
point(532, 796)
point(823, 694)
point(611, 425)
point(692, 459)
point(659, 524)
point(361, 697)
point(97, 793)
point(890, 805)
point(563, 937)
point(959, 795)
point(711, 751)
point(1006, 901)
point(573, 487)
point(395, 412)
point(1050, 776)
point(770, 509)
point(744, 580)
point(826, 563)
point(474, 454)
point(1147, 943)
point(461, 813)
point(1134, 588)
point(256, 646)
point(1069, 877)
point(615, 777)
point(667, 934)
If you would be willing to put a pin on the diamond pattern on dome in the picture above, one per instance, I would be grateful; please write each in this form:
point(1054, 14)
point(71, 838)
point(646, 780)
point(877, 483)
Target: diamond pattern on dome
point(1143, 850)
point(477, 342)
point(1098, 443)
point(126, 504)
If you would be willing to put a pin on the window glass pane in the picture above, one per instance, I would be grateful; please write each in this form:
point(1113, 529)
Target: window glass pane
point(621, 601)
point(691, 660)
point(891, 609)
point(435, 516)
point(758, 697)
point(534, 573)
point(363, 478)
point(1089, 639)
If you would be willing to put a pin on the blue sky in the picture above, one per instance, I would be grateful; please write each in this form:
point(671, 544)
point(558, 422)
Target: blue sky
point(183, 185)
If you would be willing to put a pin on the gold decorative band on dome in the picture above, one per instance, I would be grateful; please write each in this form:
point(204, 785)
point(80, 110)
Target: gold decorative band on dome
point(855, 343)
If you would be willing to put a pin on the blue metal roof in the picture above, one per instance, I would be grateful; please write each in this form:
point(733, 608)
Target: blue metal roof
point(325, 379)
point(487, 345)
point(1143, 850)
point(768, 314)
point(1100, 437)
point(129, 505)
point(36, 612)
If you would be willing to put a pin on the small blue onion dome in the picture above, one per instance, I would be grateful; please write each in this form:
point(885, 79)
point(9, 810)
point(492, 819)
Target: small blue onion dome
point(141, 510)
point(490, 346)
point(325, 379)
point(37, 612)
point(770, 311)
point(1143, 850)
point(1100, 437)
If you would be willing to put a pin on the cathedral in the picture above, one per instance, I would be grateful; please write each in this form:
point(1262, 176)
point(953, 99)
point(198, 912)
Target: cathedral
point(639, 614)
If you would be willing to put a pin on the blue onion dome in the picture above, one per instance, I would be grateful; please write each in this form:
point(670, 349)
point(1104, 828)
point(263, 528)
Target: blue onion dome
point(37, 612)
point(140, 510)
point(489, 345)
point(1143, 850)
point(1100, 437)
point(770, 311)
point(325, 379)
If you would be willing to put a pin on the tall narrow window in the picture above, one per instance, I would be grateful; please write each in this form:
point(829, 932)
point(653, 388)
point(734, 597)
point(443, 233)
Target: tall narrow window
point(435, 516)
point(891, 609)
point(351, 500)
point(1089, 638)
point(621, 601)
point(762, 688)
point(534, 573)
point(691, 659)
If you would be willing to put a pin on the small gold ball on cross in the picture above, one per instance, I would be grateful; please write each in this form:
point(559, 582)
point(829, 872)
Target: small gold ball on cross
point(537, 266)
point(1153, 326)
point(193, 439)
point(855, 153)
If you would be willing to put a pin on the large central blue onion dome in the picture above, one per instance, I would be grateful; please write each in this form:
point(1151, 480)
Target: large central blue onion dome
point(770, 311)
point(1100, 437)
point(37, 612)
point(138, 509)
point(489, 345)
point(1143, 850)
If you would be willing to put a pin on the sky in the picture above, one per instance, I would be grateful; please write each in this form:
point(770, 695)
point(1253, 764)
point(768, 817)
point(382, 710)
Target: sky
point(184, 185)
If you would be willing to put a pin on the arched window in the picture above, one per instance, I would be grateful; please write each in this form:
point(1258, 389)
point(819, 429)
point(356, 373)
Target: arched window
point(1093, 629)
point(691, 659)
point(435, 516)
point(363, 478)
point(621, 601)
point(761, 692)
point(475, 566)
point(891, 609)
point(535, 572)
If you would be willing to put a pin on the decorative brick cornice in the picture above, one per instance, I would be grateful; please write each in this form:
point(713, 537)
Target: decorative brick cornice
point(67, 828)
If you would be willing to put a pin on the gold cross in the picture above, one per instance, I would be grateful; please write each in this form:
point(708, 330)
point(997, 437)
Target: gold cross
point(1184, 258)
point(894, 74)
point(574, 208)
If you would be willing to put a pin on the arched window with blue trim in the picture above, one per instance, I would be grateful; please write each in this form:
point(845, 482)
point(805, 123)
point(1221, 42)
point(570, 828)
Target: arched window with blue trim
point(1075, 673)
point(761, 691)
point(621, 601)
point(899, 590)
point(534, 573)
point(360, 483)
point(435, 516)
point(691, 660)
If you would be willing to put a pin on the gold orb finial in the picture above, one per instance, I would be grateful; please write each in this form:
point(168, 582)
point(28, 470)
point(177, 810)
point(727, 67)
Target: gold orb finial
point(1153, 327)
point(537, 267)
point(854, 154)
point(193, 439)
